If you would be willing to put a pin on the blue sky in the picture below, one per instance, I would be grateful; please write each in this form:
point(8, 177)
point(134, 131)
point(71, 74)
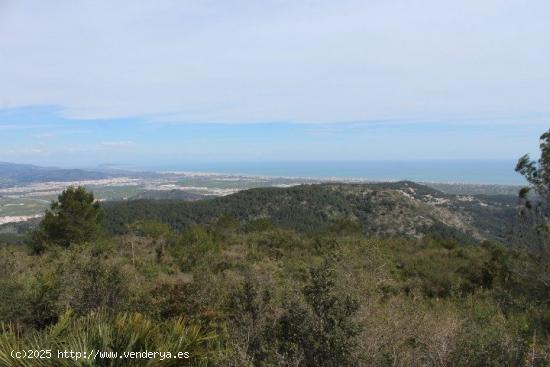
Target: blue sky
point(140, 82)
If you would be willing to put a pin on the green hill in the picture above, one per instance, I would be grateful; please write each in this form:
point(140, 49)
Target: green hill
point(400, 209)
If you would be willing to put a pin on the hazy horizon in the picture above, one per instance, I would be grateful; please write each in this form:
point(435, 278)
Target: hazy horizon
point(165, 81)
point(500, 172)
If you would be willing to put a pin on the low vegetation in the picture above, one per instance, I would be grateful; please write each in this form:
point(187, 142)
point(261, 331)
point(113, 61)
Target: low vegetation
point(258, 295)
point(234, 292)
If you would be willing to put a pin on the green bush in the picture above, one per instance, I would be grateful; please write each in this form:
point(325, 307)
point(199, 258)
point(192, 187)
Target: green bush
point(323, 330)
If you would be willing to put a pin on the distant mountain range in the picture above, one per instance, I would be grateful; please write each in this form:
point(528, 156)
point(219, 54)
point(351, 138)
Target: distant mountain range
point(17, 174)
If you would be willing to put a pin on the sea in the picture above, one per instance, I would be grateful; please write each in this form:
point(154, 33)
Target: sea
point(472, 172)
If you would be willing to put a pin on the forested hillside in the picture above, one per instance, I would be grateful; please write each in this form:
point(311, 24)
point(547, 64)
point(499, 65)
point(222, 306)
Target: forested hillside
point(401, 209)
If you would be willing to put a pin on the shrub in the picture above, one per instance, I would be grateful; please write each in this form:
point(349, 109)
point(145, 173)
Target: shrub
point(323, 330)
point(102, 331)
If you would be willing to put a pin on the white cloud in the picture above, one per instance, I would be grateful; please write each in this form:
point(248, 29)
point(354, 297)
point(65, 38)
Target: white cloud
point(21, 126)
point(58, 133)
point(116, 144)
point(45, 136)
point(307, 61)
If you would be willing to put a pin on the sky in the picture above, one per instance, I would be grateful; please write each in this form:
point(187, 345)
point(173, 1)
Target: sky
point(139, 82)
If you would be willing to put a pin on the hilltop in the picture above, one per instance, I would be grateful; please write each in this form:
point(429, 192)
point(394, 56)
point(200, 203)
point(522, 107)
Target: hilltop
point(400, 209)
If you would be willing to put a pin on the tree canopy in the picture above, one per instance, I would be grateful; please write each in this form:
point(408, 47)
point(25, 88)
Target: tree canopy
point(76, 217)
point(537, 173)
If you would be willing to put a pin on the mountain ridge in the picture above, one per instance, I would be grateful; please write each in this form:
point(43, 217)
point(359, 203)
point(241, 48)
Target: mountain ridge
point(14, 173)
point(394, 209)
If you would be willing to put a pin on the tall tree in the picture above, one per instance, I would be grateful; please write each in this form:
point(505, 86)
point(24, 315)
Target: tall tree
point(537, 173)
point(76, 217)
point(534, 209)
